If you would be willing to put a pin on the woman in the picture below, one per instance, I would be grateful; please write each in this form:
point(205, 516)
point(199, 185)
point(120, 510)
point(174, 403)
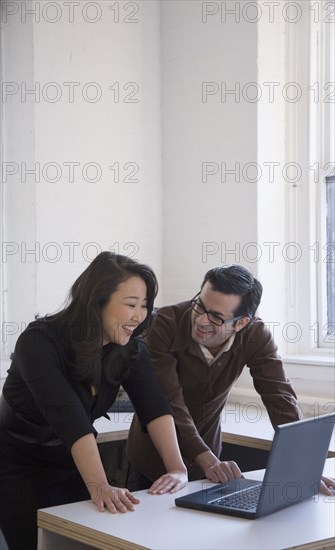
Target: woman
point(66, 372)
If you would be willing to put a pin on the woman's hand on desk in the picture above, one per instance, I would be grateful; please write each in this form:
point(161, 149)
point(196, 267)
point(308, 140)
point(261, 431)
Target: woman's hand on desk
point(327, 486)
point(169, 483)
point(87, 459)
point(112, 498)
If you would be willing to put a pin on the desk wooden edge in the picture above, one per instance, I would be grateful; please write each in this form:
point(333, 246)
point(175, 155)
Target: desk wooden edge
point(326, 544)
point(106, 437)
point(234, 439)
point(85, 535)
point(254, 442)
point(96, 539)
point(246, 441)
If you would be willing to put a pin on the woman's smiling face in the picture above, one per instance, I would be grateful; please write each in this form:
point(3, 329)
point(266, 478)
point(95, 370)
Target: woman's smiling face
point(125, 310)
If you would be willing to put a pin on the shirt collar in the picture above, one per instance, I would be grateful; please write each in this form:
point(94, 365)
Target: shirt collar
point(210, 358)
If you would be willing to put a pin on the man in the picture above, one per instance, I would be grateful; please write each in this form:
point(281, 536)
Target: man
point(199, 349)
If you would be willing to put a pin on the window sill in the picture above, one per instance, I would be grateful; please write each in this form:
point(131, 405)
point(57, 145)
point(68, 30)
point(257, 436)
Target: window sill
point(320, 360)
point(311, 377)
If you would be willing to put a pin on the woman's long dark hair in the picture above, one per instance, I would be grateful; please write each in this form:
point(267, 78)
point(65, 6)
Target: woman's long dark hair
point(82, 314)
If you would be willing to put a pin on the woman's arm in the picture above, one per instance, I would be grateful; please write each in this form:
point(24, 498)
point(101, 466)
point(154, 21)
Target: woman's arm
point(87, 459)
point(163, 434)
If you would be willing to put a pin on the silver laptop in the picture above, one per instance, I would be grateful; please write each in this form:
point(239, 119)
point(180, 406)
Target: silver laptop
point(293, 473)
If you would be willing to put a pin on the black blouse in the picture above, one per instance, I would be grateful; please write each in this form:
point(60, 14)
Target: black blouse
point(44, 404)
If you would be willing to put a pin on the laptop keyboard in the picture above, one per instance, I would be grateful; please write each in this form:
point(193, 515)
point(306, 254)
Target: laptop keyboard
point(246, 499)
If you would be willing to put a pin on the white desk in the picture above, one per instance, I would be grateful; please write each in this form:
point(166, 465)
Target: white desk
point(115, 429)
point(157, 524)
point(248, 428)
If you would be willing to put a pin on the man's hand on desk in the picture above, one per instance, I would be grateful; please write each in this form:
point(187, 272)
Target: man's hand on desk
point(170, 482)
point(223, 471)
point(216, 471)
point(327, 486)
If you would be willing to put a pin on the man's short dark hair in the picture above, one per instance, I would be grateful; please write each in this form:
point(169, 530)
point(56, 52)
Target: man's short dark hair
point(235, 279)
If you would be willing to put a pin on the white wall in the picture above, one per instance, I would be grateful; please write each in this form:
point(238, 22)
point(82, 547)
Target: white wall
point(203, 217)
point(182, 220)
point(58, 219)
point(211, 218)
point(271, 159)
point(18, 199)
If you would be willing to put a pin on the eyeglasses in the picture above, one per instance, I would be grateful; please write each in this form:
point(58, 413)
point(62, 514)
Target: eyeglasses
point(199, 308)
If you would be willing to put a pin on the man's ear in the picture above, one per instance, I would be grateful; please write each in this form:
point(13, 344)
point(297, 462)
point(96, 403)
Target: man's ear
point(242, 323)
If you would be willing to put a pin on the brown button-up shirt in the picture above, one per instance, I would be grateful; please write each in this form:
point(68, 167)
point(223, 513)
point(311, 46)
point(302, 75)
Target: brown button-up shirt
point(198, 391)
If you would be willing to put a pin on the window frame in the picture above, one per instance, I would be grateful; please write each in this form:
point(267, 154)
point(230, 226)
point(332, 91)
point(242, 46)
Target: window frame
point(308, 122)
point(322, 144)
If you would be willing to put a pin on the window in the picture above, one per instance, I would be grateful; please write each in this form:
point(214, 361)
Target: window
point(322, 154)
point(311, 143)
point(330, 202)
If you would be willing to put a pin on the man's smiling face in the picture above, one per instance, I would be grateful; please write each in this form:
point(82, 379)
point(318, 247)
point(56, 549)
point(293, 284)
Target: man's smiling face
point(222, 306)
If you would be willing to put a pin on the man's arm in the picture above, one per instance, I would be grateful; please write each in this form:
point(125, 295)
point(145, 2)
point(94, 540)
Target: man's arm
point(275, 389)
point(269, 376)
point(165, 365)
point(215, 470)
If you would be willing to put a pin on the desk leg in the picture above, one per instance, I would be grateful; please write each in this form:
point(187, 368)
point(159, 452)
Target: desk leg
point(51, 541)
